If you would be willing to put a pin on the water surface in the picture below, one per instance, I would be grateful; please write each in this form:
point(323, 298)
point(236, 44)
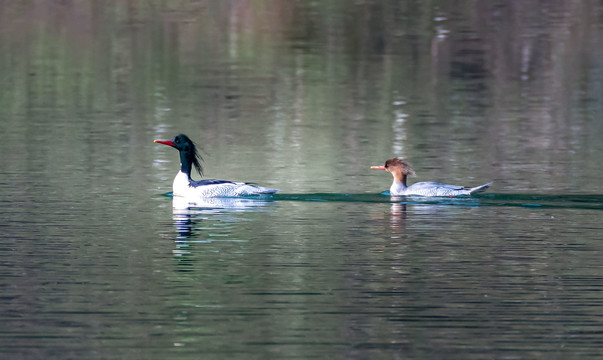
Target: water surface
point(97, 262)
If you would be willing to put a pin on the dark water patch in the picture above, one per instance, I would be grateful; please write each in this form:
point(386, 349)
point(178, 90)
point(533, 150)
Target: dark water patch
point(591, 202)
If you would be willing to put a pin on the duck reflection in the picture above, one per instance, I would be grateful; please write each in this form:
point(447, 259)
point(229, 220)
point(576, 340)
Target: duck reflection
point(181, 204)
point(397, 214)
point(188, 215)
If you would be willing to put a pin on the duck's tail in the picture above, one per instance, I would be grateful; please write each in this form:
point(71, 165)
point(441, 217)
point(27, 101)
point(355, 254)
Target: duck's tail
point(480, 188)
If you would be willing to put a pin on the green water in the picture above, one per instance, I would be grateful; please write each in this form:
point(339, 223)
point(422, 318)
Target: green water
point(589, 202)
point(97, 261)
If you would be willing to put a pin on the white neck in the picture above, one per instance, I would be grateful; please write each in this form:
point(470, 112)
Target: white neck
point(397, 188)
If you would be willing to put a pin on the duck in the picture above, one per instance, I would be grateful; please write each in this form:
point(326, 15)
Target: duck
point(401, 169)
point(184, 186)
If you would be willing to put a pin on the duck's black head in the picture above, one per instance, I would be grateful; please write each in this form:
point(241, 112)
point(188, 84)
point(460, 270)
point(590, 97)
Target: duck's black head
point(189, 156)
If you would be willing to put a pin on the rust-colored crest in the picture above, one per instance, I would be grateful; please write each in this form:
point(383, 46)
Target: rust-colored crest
point(397, 163)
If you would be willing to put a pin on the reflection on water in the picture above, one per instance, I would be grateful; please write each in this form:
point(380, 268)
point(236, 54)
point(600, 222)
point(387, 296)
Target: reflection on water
point(302, 96)
point(182, 205)
point(188, 216)
point(397, 218)
point(385, 275)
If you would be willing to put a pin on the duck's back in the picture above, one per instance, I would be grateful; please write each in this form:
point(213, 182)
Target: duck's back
point(431, 188)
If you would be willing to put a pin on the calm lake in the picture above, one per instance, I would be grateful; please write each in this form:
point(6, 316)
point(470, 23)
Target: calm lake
point(99, 261)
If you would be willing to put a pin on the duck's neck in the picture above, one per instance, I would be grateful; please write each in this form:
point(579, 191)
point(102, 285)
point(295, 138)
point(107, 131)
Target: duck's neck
point(399, 177)
point(186, 165)
point(399, 185)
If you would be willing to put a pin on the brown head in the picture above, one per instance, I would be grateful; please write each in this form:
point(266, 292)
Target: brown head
point(399, 168)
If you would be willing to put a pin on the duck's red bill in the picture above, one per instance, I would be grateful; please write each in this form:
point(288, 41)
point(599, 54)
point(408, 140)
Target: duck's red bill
point(169, 142)
point(378, 167)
